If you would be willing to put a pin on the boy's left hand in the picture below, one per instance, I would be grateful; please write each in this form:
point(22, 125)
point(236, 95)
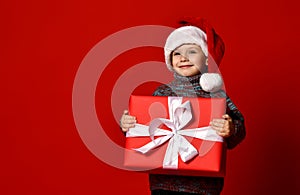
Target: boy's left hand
point(224, 126)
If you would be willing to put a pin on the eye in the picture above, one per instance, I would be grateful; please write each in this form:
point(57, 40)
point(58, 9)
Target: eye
point(192, 51)
point(175, 53)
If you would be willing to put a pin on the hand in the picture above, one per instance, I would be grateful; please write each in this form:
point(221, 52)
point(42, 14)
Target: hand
point(224, 126)
point(127, 121)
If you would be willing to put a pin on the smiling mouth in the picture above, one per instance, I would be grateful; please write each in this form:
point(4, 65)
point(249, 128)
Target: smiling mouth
point(185, 66)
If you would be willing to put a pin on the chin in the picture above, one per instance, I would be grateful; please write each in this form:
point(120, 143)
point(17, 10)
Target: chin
point(189, 74)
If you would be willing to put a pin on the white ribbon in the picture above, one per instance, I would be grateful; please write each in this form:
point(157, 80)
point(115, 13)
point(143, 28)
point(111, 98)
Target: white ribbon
point(180, 115)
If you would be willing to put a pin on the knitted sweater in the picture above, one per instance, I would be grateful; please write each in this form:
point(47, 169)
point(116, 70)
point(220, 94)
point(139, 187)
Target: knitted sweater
point(190, 87)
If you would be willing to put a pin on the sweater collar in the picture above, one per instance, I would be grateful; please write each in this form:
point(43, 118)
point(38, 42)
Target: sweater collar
point(187, 80)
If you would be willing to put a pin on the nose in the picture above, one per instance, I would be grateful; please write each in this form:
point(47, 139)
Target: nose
point(183, 58)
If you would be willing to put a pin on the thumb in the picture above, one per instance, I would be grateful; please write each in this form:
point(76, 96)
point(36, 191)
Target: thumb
point(125, 112)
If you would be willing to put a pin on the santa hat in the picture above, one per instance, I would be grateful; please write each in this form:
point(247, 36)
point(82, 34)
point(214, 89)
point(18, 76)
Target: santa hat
point(196, 31)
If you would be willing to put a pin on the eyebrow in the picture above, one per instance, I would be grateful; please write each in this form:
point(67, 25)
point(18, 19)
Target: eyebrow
point(191, 47)
point(194, 46)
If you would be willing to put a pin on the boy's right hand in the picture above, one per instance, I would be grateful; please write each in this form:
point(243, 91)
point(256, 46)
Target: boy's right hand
point(127, 121)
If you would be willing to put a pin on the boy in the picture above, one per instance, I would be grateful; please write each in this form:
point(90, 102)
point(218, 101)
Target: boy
point(187, 51)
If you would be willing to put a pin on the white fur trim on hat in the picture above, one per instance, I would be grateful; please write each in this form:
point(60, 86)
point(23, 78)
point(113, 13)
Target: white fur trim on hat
point(211, 82)
point(184, 35)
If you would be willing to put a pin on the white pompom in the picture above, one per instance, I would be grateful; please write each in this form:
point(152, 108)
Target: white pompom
point(211, 82)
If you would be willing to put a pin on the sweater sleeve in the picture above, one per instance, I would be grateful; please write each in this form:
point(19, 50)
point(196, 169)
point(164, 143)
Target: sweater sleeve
point(163, 90)
point(238, 123)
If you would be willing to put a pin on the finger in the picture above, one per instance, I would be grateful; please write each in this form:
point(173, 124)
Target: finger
point(226, 130)
point(217, 128)
point(126, 127)
point(227, 117)
point(126, 124)
point(126, 116)
point(229, 124)
point(226, 125)
point(223, 134)
point(128, 121)
point(217, 122)
point(221, 128)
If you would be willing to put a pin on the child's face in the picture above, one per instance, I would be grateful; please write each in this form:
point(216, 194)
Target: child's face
point(189, 60)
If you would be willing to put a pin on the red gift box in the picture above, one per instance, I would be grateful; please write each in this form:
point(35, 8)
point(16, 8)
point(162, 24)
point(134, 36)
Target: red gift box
point(211, 157)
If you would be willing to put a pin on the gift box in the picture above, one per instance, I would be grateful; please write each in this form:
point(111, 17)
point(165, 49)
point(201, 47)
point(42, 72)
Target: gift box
point(173, 136)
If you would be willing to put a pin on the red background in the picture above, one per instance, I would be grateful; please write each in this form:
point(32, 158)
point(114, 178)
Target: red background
point(44, 42)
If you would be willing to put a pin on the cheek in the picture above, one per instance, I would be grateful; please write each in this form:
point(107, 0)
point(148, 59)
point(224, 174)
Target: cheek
point(200, 63)
point(174, 61)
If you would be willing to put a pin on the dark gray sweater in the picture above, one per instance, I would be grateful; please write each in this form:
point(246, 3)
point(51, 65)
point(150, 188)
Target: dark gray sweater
point(190, 87)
